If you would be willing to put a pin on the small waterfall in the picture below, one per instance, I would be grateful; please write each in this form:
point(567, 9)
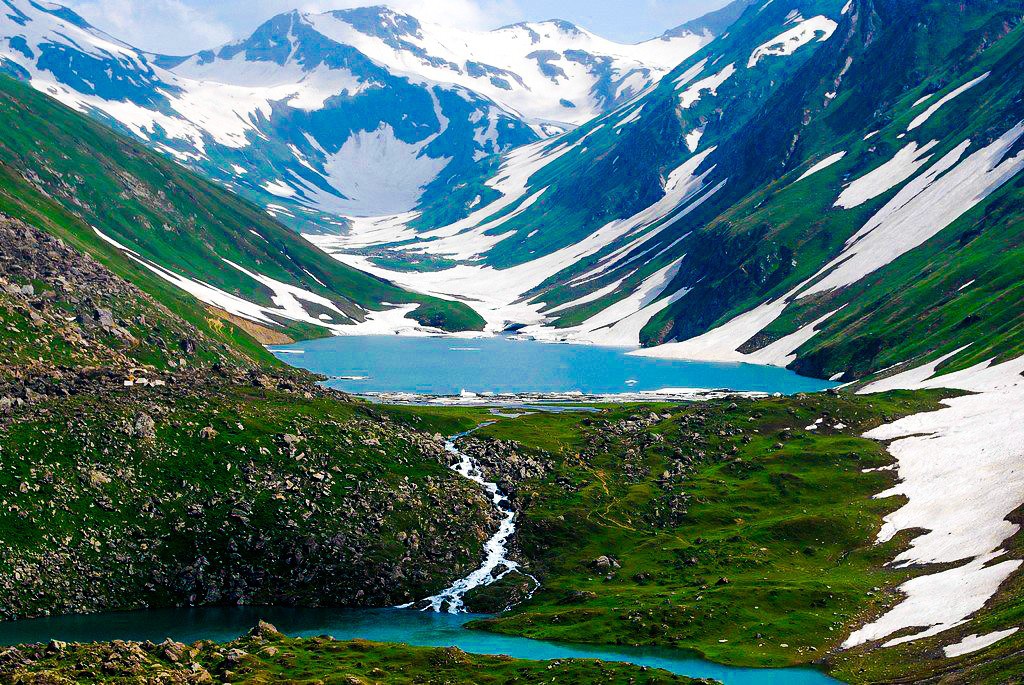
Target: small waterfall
point(496, 563)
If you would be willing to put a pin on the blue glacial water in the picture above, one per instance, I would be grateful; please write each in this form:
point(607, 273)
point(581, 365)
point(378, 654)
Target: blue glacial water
point(425, 629)
point(446, 366)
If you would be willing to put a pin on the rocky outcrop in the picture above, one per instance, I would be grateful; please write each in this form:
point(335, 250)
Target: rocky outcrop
point(225, 487)
point(504, 462)
point(61, 308)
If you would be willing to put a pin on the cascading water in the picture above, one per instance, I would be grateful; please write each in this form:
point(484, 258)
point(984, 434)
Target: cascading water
point(496, 563)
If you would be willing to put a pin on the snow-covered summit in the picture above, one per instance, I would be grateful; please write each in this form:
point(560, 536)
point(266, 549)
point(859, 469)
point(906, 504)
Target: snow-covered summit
point(354, 112)
point(548, 72)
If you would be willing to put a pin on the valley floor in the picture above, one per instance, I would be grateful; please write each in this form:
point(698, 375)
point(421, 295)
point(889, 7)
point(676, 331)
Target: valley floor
point(146, 464)
point(743, 529)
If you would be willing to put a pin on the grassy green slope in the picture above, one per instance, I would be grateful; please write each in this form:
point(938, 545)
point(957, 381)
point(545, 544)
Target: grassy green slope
point(738, 532)
point(224, 489)
point(782, 232)
point(732, 529)
point(52, 300)
point(67, 173)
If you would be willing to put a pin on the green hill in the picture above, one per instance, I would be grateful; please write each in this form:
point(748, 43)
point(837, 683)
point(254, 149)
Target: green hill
point(74, 178)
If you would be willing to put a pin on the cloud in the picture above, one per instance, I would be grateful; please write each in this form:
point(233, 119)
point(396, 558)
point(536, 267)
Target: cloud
point(187, 26)
point(169, 26)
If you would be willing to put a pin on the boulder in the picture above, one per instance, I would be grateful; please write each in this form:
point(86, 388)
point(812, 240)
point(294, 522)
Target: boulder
point(144, 427)
point(605, 563)
point(105, 318)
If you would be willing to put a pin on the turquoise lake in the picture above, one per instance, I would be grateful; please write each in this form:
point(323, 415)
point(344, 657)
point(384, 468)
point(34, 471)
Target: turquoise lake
point(426, 629)
point(447, 366)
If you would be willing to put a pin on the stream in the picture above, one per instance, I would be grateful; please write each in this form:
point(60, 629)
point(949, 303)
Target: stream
point(496, 564)
point(441, 623)
point(418, 628)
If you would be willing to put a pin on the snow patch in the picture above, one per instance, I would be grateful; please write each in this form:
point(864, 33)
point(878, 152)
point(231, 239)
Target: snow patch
point(619, 325)
point(380, 174)
point(927, 114)
point(818, 28)
point(709, 85)
point(976, 643)
point(960, 470)
point(497, 293)
point(823, 164)
point(923, 208)
point(902, 166)
point(693, 138)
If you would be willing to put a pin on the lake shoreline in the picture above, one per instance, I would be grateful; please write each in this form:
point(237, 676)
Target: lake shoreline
point(396, 627)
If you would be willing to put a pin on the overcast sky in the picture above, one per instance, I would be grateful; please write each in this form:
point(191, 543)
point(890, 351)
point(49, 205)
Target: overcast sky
point(186, 26)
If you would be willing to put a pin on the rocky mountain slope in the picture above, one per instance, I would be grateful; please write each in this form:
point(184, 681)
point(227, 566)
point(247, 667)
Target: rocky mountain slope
point(355, 112)
point(149, 462)
point(831, 186)
point(224, 488)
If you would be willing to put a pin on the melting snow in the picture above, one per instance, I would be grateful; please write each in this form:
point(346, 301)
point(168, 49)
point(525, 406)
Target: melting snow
point(380, 174)
point(592, 297)
point(709, 85)
point(690, 73)
point(279, 189)
point(902, 166)
point(819, 27)
point(620, 324)
point(823, 164)
point(927, 114)
point(497, 293)
point(976, 643)
point(722, 344)
point(288, 301)
point(922, 100)
point(633, 116)
point(693, 138)
point(923, 208)
point(960, 470)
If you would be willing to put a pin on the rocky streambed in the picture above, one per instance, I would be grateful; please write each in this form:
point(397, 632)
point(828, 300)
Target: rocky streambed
point(497, 564)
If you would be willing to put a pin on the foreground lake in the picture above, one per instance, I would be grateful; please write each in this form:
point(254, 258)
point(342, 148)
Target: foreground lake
point(447, 366)
point(425, 629)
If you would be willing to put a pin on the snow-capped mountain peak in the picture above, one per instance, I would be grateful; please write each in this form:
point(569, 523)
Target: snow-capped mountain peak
point(312, 113)
point(550, 72)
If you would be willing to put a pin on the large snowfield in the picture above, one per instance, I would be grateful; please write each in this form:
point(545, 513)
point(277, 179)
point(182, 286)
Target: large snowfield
point(961, 470)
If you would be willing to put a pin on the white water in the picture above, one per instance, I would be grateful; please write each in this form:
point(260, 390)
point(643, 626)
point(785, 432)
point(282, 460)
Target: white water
point(496, 564)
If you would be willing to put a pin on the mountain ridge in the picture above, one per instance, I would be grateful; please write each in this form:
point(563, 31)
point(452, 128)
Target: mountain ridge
point(663, 221)
point(347, 96)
